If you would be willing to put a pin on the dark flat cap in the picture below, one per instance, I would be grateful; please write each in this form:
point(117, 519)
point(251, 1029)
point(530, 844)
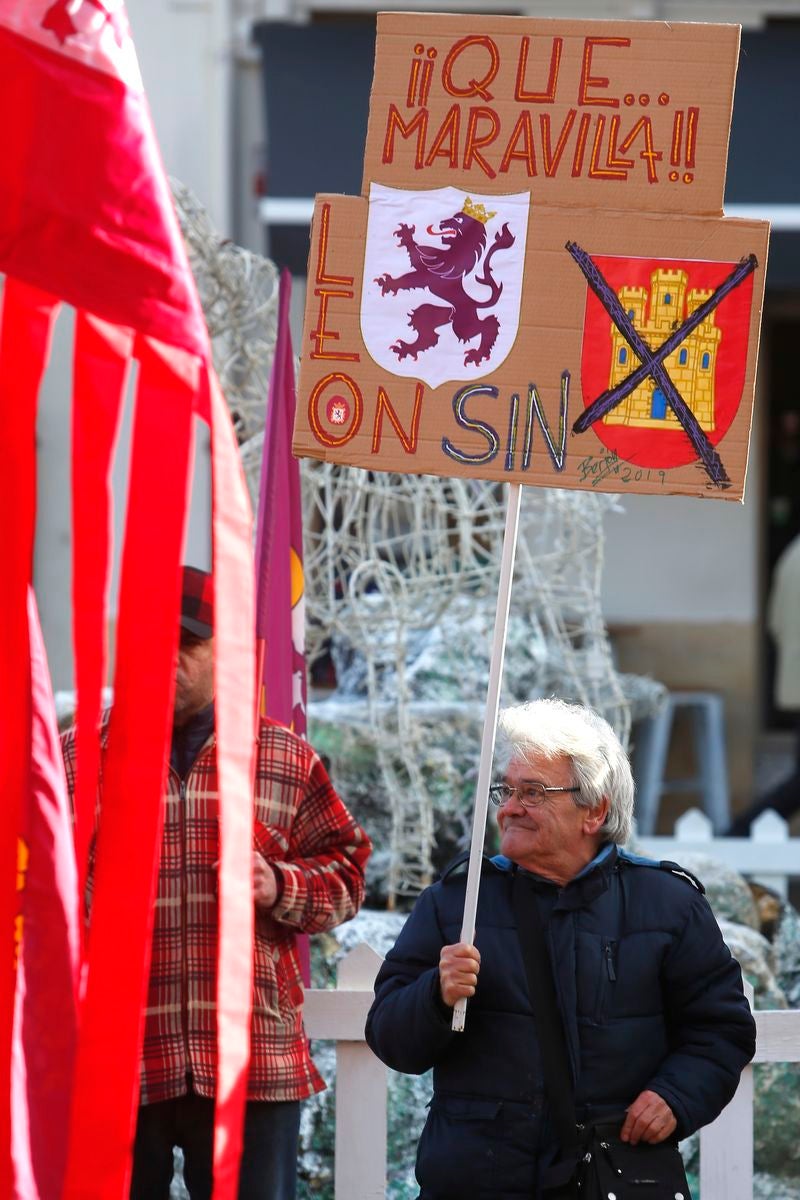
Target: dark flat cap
point(197, 602)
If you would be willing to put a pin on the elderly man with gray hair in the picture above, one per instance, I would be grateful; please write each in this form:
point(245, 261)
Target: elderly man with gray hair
point(652, 1023)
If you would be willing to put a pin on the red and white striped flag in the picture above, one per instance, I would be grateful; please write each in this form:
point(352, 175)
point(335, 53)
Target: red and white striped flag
point(86, 217)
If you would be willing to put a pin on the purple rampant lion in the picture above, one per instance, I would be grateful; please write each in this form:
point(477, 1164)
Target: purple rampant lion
point(442, 270)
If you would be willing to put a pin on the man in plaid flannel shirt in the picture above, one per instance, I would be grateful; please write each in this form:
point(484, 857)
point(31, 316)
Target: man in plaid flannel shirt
point(308, 874)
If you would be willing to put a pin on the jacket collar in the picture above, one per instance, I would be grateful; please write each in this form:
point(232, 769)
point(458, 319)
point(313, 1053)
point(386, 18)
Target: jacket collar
point(591, 882)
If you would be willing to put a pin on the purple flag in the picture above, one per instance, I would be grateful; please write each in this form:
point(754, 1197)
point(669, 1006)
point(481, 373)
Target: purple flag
point(280, 608)
point(280, 587)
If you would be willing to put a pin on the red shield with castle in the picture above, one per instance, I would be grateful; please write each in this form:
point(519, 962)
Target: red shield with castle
point(707, 367)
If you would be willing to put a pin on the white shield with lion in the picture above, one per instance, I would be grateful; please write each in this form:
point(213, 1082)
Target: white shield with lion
point(442, 281)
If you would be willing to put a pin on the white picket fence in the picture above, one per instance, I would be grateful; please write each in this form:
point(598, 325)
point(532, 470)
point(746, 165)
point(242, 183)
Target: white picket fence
point(769, 856)
point(726, 1147)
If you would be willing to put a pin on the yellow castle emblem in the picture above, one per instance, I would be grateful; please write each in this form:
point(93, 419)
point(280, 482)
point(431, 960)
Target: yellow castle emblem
point(690, 366)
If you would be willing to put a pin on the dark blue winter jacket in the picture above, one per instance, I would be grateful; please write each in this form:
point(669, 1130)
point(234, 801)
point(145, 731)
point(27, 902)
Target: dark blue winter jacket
point(649, 993)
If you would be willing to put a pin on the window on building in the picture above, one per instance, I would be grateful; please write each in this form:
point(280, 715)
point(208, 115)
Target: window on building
point(658, 406)
point(668, 297)
point(631, 313)
point(705, 362)
point(623, 355)
point(683, 357)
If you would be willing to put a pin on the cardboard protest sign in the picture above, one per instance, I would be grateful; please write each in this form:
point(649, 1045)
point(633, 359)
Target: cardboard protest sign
point(537, 284)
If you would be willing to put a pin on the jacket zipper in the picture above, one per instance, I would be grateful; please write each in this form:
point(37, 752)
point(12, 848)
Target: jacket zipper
point(612, 974)
point(608, 975)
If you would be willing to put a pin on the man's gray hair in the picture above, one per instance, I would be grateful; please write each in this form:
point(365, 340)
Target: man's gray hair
point(600, 767)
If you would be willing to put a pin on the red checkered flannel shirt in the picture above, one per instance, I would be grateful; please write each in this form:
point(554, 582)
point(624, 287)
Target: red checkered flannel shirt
point(318, 851)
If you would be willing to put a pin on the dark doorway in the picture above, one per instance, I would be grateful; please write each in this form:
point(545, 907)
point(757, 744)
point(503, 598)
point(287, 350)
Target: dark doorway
point(782, 468)
point(317, 80)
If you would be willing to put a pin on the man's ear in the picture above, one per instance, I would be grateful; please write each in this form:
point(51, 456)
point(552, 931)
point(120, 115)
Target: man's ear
point(595, 817)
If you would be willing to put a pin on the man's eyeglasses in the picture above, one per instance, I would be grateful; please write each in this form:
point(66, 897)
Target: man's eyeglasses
point(530, 795)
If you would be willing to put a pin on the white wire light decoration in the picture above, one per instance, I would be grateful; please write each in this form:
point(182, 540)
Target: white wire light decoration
point(401, 574)
point(239, 294)
point(390, 556)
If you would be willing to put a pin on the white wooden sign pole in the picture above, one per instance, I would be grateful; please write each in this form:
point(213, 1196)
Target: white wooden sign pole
point(489, 730)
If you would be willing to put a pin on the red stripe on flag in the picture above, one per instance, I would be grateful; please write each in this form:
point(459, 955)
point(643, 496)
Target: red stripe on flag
point(85, 210)
point(234, 664)
point(46, 1015)
point(27, 320)
point(100, 375)
point(107, 1073)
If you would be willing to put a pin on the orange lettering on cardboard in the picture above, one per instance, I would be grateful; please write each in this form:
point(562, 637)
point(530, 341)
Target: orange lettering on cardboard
point(329, 287)
point(407, 440)
point(445, 144)
point(475, 87)
point(319, 431)
point(649, 154)
point(322, 277)
point(549, 94)
point(395, 124)
point(599, 81)
point(474, 141)
point(523, 131)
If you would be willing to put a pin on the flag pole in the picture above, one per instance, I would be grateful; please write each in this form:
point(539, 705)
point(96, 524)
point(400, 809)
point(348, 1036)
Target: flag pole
point(261, 654)
point(489, 730)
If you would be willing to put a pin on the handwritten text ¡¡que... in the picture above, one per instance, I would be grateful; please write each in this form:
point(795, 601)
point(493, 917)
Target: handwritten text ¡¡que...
point(477, 137)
